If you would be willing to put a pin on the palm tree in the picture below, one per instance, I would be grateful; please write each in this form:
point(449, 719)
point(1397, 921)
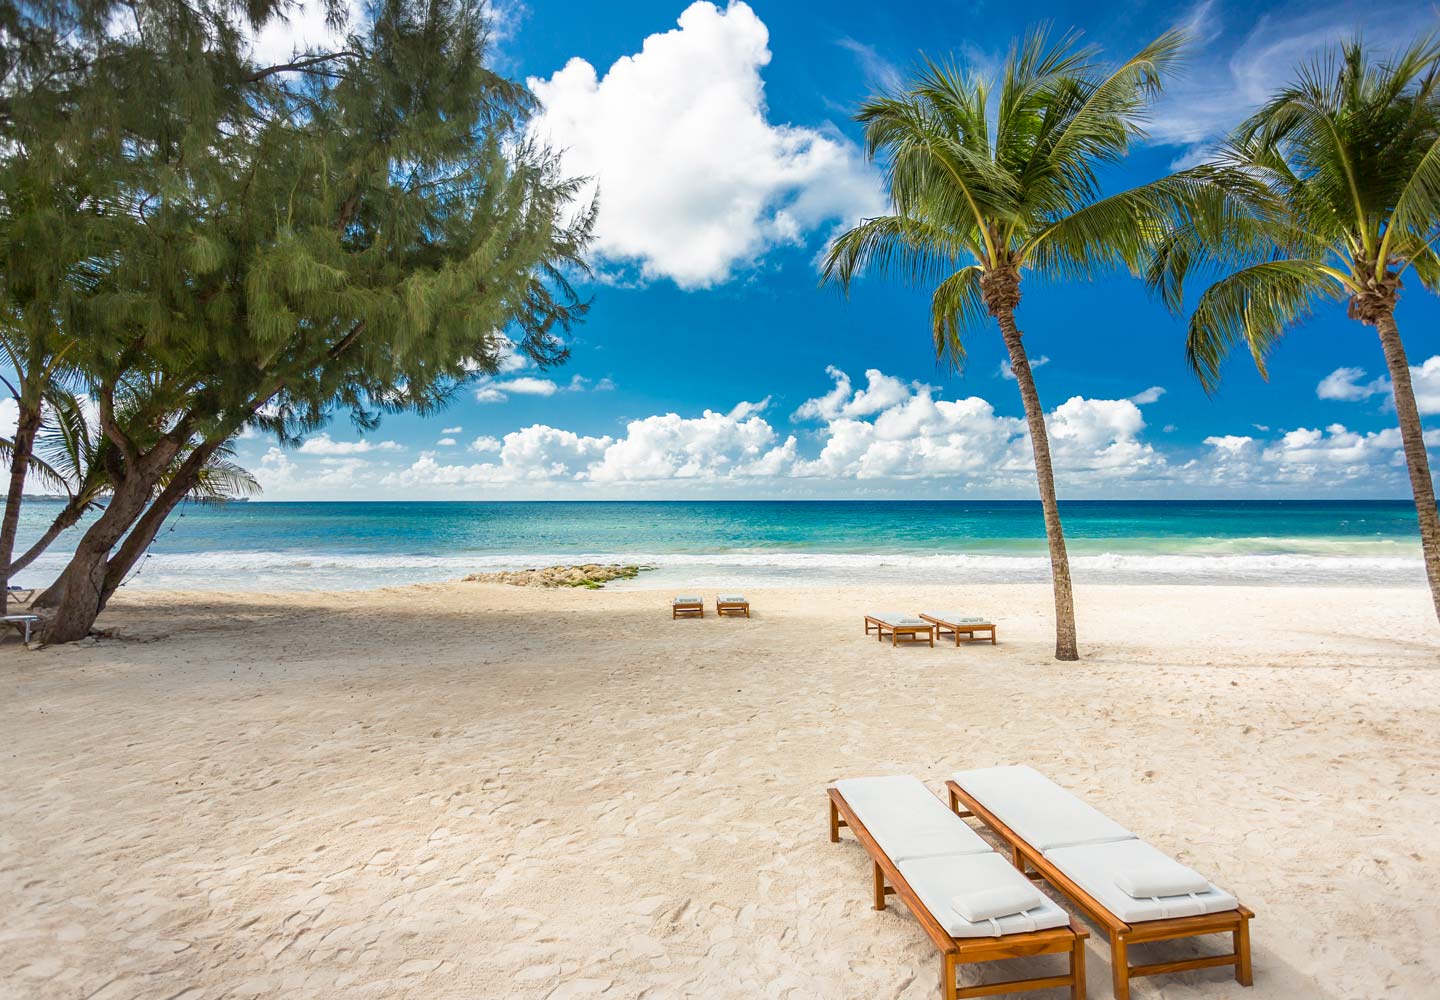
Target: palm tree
point(1346, 205)
point(987, 187)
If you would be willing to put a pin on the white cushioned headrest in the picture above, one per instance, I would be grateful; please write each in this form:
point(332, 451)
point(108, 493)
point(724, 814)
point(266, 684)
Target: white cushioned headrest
point(996, 901)
point(1160, 878)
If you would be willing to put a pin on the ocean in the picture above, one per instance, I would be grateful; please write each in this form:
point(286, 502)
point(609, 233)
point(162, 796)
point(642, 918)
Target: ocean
point(341, 546)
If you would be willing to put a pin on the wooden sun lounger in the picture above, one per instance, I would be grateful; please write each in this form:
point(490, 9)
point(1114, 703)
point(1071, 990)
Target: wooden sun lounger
point(899, 633)
point(1234, 922)
point(967, 629)
point(965, 951)
point(737, 608)
point(687, 609)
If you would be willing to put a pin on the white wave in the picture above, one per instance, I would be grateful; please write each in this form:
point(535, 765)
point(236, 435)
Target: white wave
point(314, 570)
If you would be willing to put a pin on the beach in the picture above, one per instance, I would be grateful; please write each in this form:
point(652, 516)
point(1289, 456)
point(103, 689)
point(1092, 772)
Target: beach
point(472, 790)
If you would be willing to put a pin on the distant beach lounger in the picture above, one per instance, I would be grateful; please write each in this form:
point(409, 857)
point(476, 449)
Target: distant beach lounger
point(1135, 891)
point(687, 606)
point(24, 593)
point(965, 896)
point(26, 622)
point(732, 604)
point(900, 628)
point(958, 625)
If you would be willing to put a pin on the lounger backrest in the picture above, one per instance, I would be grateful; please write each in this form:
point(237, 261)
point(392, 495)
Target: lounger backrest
point(906, 820)
point(1039, 811)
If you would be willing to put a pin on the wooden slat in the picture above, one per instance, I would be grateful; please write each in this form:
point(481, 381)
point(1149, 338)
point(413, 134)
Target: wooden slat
point(1169, 928)
point(1185, 965)
point(1012, 986)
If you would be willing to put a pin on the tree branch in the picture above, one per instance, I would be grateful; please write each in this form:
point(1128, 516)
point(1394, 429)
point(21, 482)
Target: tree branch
point(299, 65)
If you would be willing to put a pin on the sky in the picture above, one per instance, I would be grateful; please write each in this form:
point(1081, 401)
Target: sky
point(712, 365)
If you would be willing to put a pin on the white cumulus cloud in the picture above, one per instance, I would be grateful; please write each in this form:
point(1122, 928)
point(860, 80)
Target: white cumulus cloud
point(694, 180)
point(1006, 372)
point(1349, 385)
point(499, 390)
point(324, 444)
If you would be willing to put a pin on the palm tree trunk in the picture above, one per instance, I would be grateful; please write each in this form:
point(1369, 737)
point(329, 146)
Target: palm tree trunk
point(1413, 437)
point(1065, 645)
point(27, 426)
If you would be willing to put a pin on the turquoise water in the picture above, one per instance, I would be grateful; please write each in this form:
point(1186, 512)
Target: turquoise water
point(290, 546)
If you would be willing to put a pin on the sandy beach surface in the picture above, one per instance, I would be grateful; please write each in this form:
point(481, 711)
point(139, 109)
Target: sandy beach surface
point(471, 790)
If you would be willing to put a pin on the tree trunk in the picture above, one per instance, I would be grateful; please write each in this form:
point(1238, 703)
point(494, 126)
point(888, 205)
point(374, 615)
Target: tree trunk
point(1413, 437)
point(27, 426)
point(79, 594)
point(1065, 643)
point(140, 537)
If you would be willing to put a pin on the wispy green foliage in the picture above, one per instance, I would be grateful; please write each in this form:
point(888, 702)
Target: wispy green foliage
point(359, 230)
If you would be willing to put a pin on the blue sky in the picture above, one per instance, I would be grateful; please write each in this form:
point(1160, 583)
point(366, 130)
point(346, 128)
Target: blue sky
point(711, 364)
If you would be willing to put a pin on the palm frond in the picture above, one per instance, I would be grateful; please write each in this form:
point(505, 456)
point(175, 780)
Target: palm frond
point(1254, 305)
point(894, 245)
point(957, 309)
point(221, 479)
point(48, 476)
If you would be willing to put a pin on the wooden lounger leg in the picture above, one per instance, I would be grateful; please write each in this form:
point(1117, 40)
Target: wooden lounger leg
point(1077, 969)
point(1017, 859)
point(834, 823)
point(948, 985)
point(1241, 937)
point(1120, 966)
point(879, 886)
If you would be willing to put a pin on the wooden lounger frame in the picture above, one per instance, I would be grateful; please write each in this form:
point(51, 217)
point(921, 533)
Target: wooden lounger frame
point(1234, 922)
point(687, 610)
point(723, 608)
point(964, 951)
point(968, 629)
point(914, 633)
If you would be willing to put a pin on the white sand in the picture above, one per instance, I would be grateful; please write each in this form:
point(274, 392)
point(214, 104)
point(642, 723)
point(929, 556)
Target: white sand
point(466, 790)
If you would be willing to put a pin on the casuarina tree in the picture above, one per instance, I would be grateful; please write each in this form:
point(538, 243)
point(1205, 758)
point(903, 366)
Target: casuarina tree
point(359, 229)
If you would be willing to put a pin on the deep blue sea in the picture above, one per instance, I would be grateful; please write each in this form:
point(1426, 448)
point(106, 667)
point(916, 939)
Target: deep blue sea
point(297, 546)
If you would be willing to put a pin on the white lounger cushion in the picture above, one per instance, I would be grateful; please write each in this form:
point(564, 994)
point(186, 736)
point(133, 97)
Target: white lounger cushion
point(895, 618)
point(937, 881)
point(731, 599)
point(956, 618)
point(688, 599)
point(1038, 810)
point(906, 820)
point(1095, 867)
